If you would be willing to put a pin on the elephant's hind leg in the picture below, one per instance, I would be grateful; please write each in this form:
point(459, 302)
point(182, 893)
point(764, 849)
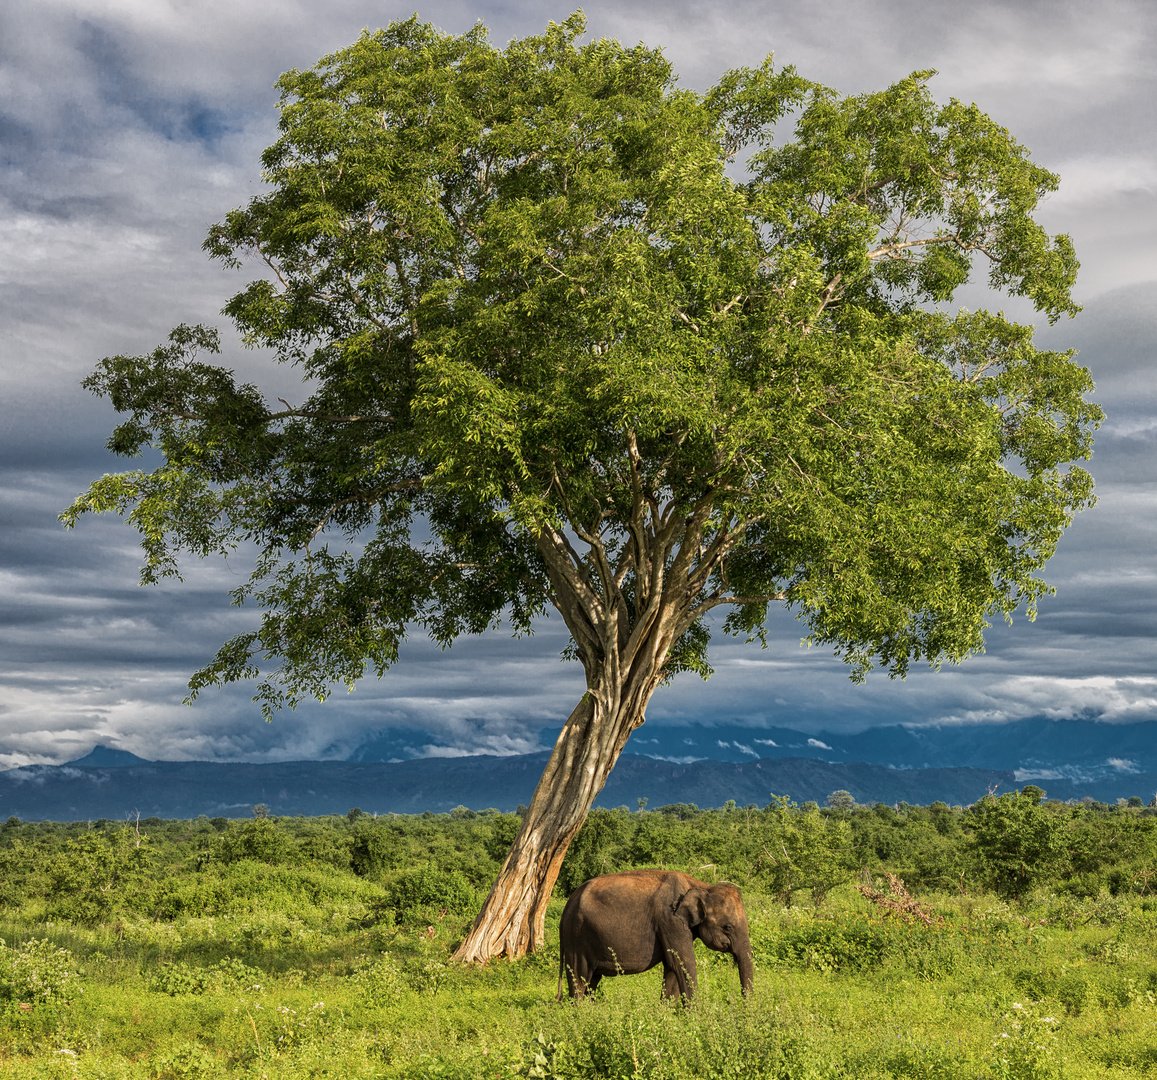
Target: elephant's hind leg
point(580, 981)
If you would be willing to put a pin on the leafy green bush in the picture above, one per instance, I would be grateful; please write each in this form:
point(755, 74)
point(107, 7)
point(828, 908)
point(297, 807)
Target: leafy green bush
point(1017, 839)
point(228, 974)
point(187, 1061)
point(38, 972)
point(416, 894)
point(379, 980)
point(503, 829)
point(1026, 1046)
point(261, 840)
point(804, 850)
point(374, 849)
point(424, 976)
point(598, 847)
point(91, 877)
point(832, 944)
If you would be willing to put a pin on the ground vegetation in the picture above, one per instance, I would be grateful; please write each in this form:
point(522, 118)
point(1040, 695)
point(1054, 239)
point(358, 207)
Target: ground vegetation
point(273, 948)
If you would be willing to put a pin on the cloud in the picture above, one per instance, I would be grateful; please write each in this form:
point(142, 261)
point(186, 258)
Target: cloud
point(818, 745)
point(1122, 765)
point(1081, 774)
point(1103, 178)
point(1123, 699)
point(128, 126)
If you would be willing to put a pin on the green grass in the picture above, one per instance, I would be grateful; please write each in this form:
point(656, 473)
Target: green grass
point(1047, 990)
point(293, 948)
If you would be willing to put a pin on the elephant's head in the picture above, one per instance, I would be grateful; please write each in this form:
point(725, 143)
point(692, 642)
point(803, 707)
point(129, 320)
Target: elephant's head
point(716, 917)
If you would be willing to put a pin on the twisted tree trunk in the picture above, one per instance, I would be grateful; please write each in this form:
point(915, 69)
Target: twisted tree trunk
point(512, 918)
point(623, 670)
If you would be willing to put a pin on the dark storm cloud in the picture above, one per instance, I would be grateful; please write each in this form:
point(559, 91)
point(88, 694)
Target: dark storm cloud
point(126, 128)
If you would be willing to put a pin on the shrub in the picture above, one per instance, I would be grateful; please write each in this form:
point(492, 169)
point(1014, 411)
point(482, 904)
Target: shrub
point(373, 849)
point(832, 945)
point(1018, 839)
point(260, 840)
point(414, 894)
point(379, 980)
point(503, 829)
point(90, 877)
point(37, 972)
point(188, 1061)
point(594, 850)
point(228, 974)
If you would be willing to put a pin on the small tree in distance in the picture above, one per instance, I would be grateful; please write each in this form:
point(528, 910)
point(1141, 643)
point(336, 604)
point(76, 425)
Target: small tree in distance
point(561, 359)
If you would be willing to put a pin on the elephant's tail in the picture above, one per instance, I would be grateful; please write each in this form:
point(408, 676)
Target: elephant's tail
point(561, 973)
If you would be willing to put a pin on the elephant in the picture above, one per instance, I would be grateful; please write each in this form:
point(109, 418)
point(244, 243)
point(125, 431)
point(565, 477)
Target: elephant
point(624, 924)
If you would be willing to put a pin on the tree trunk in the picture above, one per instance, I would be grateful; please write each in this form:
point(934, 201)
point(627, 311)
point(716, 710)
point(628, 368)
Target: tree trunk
point(511, 922)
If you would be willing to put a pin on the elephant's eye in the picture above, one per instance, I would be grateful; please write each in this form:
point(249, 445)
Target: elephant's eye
point(727, 928)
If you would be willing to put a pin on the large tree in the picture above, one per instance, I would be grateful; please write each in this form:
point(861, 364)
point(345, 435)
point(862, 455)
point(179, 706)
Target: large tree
point(562, 353)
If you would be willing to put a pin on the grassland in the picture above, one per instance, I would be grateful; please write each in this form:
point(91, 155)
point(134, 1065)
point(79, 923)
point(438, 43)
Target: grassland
point(319, 948)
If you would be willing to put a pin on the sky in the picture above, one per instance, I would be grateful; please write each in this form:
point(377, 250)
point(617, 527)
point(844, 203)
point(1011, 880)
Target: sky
point(128, 127)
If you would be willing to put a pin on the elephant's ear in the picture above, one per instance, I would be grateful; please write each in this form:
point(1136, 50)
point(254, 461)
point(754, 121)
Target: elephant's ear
point(691, 907)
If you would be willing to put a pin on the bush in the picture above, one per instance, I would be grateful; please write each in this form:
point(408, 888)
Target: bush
point(260, 840)
point(373, 850)
point(414, 895)
point(228, 974)
point(503, 829)
point(831, 945)
point(594, 851)
point(91, 876)
point(37, 972)
point(379, 981)
point(1018, 841)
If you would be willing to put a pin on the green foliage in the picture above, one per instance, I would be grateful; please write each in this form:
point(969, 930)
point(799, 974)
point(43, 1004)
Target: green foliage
point(374, 849)
point(805, 851)
point(1026, 1047)
point(599, 848)
point(541, 1060)
point(1018, 840)
point(532, 300)
point(188, 1061)
point(230, 973)
point(90, 877)
point(426, 894)
point(38, 972)
point(261, 840)
point(425, 976)
point(283, 973)
point(379, 980)
point(503, 829)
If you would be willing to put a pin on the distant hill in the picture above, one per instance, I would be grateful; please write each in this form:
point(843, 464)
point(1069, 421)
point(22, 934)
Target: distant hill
point(1037, 750)
point(107, 755)
point(1047, 749)
point(113, 786)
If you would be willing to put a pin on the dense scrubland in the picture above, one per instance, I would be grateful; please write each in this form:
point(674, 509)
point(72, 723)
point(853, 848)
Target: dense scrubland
point(1011, 939)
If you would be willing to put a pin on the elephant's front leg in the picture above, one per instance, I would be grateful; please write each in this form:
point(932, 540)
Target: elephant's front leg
point(679, 977)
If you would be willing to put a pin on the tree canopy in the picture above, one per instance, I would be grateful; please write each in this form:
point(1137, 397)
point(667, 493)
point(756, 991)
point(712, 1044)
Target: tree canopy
point(563, 352)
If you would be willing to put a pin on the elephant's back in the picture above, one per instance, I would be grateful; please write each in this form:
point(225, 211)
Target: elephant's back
point(612, 899)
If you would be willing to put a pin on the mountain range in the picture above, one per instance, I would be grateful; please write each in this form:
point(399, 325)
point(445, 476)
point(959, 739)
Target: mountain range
point(701, 764)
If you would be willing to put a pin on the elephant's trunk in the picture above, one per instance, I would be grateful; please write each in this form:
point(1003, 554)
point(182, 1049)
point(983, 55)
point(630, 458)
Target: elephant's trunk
point(742, 953)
